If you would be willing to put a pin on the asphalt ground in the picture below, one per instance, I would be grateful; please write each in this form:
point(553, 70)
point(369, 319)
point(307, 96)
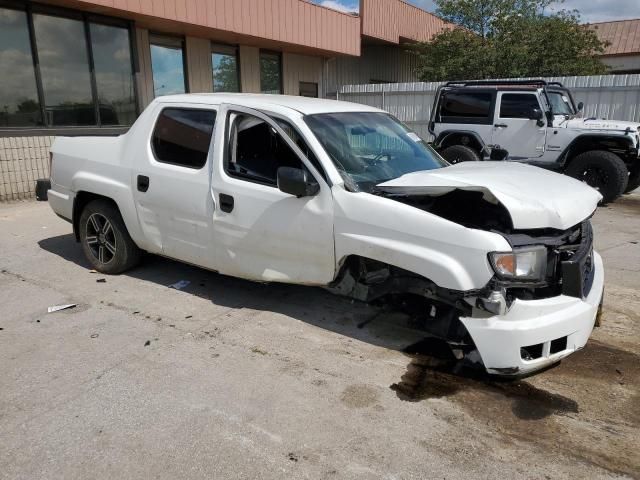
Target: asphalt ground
point(232, 379)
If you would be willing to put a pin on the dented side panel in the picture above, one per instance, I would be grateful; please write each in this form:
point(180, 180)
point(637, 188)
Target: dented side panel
point(450, 255)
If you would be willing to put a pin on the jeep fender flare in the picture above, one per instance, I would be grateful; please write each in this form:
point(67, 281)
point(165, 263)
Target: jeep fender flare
point(591, 141)
point(454, 137)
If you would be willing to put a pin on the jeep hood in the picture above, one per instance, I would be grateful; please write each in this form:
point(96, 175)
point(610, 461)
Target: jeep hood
point(602, 124)
point(535, 198)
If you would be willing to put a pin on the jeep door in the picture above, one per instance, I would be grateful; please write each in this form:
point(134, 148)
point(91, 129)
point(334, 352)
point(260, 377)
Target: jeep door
point(515, 127)
point(260, 232)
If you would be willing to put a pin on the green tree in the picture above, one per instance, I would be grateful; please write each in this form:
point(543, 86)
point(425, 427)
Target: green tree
point(508, 38)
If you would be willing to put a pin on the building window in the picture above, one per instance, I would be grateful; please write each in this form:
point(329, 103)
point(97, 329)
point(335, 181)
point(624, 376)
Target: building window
point(226, 74)
point(167, 64)
point(64, 66)
point(182, 136)
point(114, 82)
point(270, 72)
point(68, 69)
point(19, 104)
point(309, 89)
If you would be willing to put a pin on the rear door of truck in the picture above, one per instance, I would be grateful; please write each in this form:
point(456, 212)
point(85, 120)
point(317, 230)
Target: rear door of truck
point(171, 182)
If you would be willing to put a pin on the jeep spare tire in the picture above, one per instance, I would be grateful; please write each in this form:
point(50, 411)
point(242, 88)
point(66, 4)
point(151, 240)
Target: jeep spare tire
point(602, 170)
point(460, 153)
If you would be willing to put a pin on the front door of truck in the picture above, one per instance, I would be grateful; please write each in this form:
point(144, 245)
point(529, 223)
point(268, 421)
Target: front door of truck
point(260, 232)
point(171, 184)
point(515, 129)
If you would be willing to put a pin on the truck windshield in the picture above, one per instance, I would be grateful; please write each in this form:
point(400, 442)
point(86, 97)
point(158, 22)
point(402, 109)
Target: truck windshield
point(369, 148)
point(561, 103)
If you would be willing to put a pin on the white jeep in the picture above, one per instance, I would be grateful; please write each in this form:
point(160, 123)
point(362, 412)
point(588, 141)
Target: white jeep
point(535, 122)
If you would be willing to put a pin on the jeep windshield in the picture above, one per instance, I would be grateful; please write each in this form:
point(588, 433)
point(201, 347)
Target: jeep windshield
point(369, 148)
point(561, 103)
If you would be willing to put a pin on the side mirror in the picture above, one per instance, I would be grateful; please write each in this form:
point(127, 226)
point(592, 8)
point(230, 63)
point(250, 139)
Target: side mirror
point(580, 106)
point(498, 154)
point(536, 114)
point(297, 182)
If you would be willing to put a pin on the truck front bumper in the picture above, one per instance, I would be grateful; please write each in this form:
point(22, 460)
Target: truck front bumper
point(535, 334)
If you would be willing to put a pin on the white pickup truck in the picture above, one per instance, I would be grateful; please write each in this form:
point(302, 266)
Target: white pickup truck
point(317, 192)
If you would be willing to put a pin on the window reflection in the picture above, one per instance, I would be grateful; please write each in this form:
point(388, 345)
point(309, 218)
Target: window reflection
point(64, 66)
point(19, 105)
point(114, 81)
point(167, 65)
point(225, 69)
point(270, 73)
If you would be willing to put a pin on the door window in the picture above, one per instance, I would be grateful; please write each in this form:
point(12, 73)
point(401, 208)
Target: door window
point(183, 136)
point(518, 105)
point(256, 151)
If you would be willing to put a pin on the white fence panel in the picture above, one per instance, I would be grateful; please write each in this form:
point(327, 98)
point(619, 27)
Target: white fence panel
point(615, 97)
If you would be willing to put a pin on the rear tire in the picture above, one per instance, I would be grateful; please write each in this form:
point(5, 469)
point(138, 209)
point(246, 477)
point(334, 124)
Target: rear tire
point(105, 240)
point(459, 153)
point(602, 170)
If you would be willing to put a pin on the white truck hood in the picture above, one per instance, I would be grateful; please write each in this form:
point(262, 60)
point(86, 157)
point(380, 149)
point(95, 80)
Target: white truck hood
point(601, 124)
point(534, 197)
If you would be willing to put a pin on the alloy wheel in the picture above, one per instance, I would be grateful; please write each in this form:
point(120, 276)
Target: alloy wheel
point(101, 238)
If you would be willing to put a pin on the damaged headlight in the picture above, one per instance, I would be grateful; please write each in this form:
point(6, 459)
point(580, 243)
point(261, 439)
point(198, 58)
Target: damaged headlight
point(527, 263)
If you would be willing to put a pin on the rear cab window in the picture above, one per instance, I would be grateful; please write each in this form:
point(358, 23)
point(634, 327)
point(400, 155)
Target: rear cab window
point(182, 136)
point(466, 106)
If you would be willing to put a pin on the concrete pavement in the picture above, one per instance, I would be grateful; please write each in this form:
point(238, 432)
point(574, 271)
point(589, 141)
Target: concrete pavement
point(232, 379)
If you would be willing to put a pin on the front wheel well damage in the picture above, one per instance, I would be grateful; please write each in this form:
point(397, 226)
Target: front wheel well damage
point(434, 309)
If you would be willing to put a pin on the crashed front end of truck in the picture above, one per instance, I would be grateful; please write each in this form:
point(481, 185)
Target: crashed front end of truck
point(542, 301)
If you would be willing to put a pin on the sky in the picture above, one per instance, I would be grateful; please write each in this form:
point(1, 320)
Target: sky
point(590, 10)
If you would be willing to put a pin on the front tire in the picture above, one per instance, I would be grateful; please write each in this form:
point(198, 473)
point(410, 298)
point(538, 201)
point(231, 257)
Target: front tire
point(460, 153)
point(602, 170)
point(105, 240)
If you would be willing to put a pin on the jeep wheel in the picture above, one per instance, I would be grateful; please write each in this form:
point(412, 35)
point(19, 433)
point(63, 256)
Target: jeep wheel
point(604, 171)
point(105, 240)
point(460, 153)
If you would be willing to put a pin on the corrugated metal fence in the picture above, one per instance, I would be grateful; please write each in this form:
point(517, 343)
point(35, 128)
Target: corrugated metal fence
point(604, 96)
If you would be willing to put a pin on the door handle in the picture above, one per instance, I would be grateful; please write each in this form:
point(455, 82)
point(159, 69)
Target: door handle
point(501, 125)
point(226, 203)
point(143, 183)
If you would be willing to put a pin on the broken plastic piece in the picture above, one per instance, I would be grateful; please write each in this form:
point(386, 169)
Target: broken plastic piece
point(57, 308)
point(180, 285)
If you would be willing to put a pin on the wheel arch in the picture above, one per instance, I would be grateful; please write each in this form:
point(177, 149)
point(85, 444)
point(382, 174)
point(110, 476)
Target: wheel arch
point(81, 200)
point(468, 138)
point(617, 144)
